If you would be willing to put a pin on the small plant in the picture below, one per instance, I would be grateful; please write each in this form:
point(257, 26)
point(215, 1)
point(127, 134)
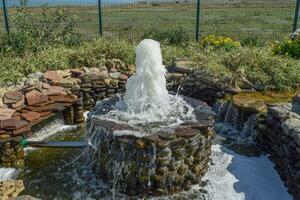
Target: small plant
point(288, 47)
point(34, 32)
point(219, 42)
point(177, 37)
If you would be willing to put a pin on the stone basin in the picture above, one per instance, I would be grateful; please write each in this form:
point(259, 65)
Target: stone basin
point(139, 160)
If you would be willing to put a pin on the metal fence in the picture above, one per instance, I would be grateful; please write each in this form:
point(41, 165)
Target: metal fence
point(241, 19)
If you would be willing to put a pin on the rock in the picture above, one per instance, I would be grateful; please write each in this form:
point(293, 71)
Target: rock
point(22, 130)
point(55, 90)
point(31, 82)
point(12, 124)
point(55, 107)
point(123, 77)
point(174, 76)
point(185, 132)
point(162, 143)
point(46, 86)
point(166, 134)
point(204, 113)
point(68, 82)
point(115, 75)
point(2, 93)
point(52, 76)
point(62, 98)
point(35, 97)
point(291, 127)
point(31, 116)
point(36, 75)
point(64, 73)
point(26, 197)
point(249, 104)
point(184, 66)
point(76, 73)
point(12, 97)
point(6, 113)
point(107, 82)
point(19, 105)
point(10, 189)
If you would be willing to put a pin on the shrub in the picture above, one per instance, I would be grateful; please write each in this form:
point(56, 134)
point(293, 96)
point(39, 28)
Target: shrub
point(95, 54)
point(288, 47)
point(34, 32)
point(172, 37)
point(240, 65)
point(219, 42)
point(263, 70)
point(255, 65)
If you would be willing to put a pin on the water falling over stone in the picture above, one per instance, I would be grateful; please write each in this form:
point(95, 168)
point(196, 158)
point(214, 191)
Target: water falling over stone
point(149, 142)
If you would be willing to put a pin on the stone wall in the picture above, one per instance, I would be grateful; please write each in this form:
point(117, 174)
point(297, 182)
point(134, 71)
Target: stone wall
point(142, 161)
point(279, 135)
point(24, 106)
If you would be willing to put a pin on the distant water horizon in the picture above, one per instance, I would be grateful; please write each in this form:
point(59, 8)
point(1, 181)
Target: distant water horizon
point(11, 3)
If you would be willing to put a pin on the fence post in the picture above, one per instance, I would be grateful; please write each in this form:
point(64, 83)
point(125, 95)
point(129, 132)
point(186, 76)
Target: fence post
point(198, 20)
point(100, 17)
point(296, 16)
point(5, 16)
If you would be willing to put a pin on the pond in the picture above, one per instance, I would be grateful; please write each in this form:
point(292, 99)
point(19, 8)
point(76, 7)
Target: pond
point(68, 174)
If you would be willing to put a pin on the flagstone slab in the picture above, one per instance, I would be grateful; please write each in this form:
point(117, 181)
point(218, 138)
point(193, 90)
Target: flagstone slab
point(31, 116)
point(35, 97)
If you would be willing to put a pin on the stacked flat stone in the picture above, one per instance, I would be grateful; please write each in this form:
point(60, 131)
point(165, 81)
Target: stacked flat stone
point(279, 135)
point(24, 107)
point(100, 84)
point(139, 162)
point(10, 189)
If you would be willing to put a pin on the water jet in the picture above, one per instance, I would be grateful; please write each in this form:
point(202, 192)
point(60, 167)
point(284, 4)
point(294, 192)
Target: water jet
point(149, 142)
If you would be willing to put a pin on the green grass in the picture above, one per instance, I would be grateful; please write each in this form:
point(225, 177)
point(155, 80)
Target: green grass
point(256, 65)
point(256, 21)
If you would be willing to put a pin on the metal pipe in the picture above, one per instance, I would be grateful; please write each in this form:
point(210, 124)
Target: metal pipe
point(53, 144)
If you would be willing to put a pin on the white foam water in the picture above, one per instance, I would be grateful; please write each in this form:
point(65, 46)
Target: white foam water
point(233, 176)
point(7, 173)
point(146, 99)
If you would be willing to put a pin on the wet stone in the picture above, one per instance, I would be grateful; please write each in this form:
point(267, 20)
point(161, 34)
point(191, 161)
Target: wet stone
point(162, 143)
point(185, 132)
point(159, 158)
point(167, 134)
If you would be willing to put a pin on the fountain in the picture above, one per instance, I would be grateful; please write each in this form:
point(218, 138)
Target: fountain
point(149, 142)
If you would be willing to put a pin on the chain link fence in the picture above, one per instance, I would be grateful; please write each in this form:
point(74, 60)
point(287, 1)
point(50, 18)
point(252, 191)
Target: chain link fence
point(240, 19)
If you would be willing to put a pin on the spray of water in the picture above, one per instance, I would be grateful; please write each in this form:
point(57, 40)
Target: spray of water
point(146, 99)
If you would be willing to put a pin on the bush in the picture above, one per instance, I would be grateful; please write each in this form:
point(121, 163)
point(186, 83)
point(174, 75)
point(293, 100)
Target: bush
point(34, 32)
point(240, 65)
point(288, 47)
point(255, 65)
point(178, 37)
point(219, 42)
point(263, 70)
